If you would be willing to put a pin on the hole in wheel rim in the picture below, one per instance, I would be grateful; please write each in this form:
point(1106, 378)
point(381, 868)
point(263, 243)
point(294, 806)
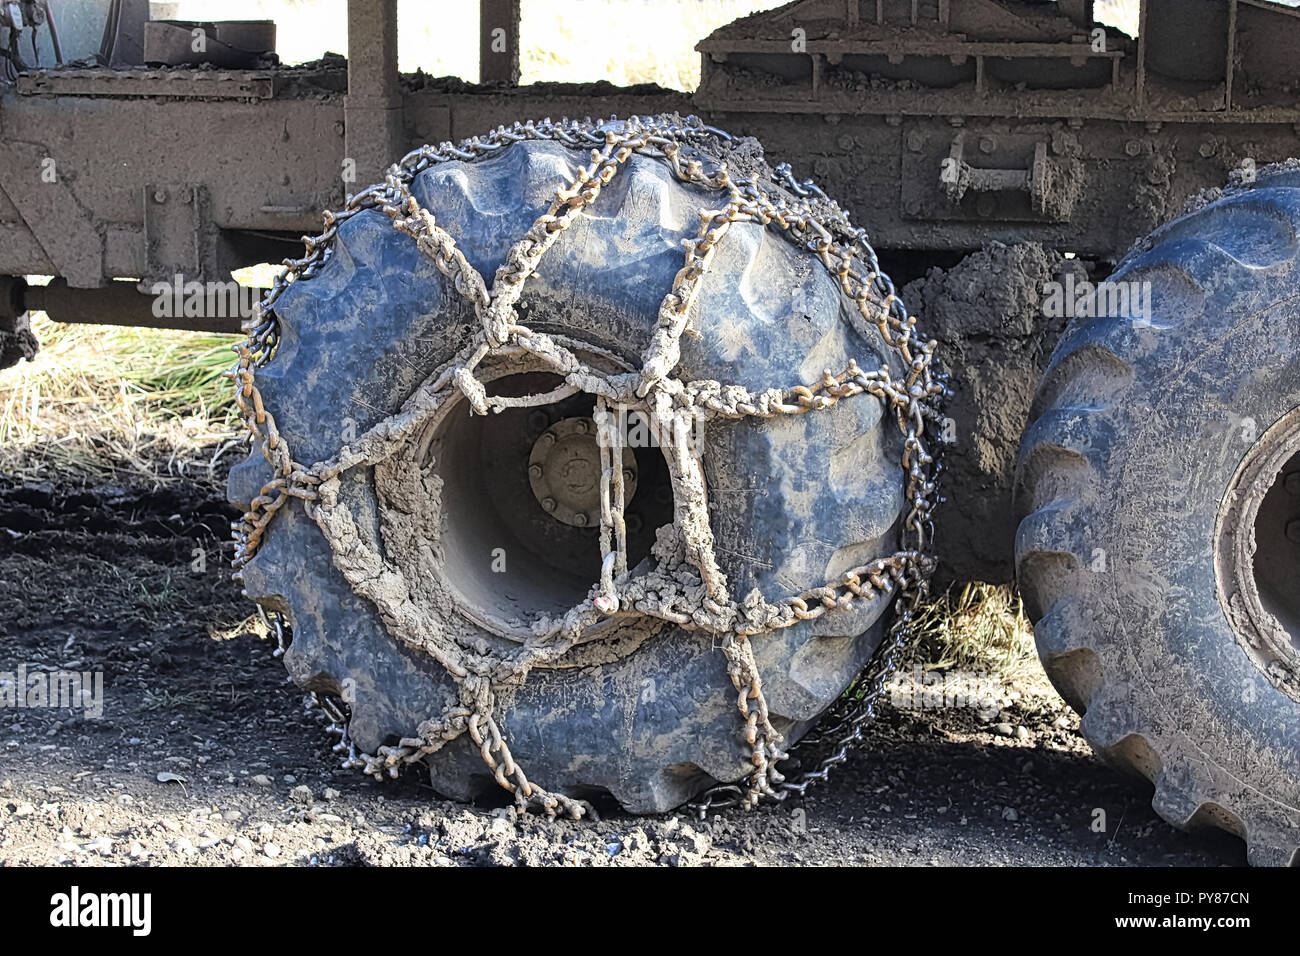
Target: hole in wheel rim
point(1257, 554)
point(507, 558)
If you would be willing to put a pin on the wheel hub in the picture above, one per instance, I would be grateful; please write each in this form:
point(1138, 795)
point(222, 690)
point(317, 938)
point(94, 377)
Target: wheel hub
point(564, 472)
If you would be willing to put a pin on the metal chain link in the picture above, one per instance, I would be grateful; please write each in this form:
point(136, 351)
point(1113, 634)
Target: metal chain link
point(805, 217)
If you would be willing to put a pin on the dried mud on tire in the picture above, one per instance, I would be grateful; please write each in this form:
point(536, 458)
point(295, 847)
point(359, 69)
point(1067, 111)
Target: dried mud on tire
point(102, 579)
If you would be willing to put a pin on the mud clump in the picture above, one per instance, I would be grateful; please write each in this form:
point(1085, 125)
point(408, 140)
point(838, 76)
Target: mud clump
point(994, 341)
point(17, 342)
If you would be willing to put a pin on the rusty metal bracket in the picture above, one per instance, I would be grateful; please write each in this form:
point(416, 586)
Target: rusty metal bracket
point(987, 175)
point(177, 238)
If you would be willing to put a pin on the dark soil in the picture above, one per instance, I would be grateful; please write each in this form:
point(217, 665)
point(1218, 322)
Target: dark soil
point(110, 579)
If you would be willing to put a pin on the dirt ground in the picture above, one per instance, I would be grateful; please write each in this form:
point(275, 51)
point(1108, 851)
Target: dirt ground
point(205, 754)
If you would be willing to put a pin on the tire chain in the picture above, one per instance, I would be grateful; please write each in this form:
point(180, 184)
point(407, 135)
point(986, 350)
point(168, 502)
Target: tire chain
point(807, 218)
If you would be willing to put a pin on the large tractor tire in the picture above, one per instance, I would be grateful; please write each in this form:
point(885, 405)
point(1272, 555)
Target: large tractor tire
point(640, 708)
point(1159, 553)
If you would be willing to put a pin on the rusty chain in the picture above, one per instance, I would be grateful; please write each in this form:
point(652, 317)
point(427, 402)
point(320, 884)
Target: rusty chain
point(806, 218)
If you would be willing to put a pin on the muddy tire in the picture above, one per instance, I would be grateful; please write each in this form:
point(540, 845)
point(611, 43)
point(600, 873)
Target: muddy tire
point(1153, 554)
point(645, 711)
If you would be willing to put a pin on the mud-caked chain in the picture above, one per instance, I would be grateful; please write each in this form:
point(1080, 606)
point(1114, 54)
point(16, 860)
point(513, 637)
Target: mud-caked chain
point(799, 211)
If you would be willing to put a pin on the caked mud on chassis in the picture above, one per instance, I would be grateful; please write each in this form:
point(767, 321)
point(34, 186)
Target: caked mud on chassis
point(1136, 553)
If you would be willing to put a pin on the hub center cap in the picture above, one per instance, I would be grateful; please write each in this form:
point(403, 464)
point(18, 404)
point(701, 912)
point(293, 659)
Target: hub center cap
point(564, 472)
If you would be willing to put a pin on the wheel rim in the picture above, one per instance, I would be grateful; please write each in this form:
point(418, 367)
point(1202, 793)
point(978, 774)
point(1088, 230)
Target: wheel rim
point(508, 558)
point(1257, 554)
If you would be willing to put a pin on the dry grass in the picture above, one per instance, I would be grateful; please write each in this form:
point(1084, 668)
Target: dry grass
point(978, 628)
point(100, 403)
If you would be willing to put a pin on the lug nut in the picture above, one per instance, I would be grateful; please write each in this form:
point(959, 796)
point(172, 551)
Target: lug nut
point(627, 476)
point(579, 519)
point(534, 471)
point(548, 504)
